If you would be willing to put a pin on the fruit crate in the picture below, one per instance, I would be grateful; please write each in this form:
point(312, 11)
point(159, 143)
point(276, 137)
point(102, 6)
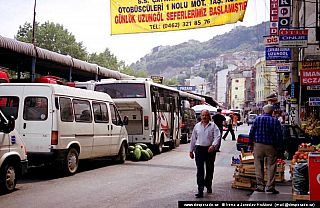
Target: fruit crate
point(309, 149)
point(246, 157)
point(279, 176)
point(297, 197)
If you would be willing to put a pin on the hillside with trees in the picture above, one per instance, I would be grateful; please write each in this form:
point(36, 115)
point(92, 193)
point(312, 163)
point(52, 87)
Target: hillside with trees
point(187, 54)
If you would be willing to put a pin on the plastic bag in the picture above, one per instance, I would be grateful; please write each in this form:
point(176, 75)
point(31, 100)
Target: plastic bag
point(300, 178)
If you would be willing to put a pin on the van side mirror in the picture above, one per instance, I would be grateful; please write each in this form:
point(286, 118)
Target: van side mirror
point(9, 126)
point(125, 120)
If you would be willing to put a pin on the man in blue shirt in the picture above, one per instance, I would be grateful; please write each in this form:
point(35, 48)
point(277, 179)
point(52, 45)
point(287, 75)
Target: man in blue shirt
point(266, 135)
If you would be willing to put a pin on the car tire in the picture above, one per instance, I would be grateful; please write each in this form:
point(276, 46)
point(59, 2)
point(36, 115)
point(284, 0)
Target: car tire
point(8, 178)
point(71, 162)
point(121, 157)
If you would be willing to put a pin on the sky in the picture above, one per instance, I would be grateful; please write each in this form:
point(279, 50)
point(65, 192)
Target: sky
point(89, 21)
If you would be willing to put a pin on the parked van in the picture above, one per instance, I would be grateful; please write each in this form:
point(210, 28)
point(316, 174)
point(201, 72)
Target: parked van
point(13, 155)
point(61, 123)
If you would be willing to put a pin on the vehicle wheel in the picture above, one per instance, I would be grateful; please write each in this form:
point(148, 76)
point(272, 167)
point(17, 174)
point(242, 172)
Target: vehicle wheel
point(160, 146)
point(8, 178)
point(286, 154)
point(173, 144)
point(121, 157)
point(71, 162)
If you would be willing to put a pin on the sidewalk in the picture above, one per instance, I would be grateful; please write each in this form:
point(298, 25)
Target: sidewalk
point(285, 189)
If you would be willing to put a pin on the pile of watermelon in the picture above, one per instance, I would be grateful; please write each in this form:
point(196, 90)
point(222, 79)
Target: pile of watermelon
point(140, 151)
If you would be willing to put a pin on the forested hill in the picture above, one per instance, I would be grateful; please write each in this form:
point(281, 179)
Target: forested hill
point(186, 54)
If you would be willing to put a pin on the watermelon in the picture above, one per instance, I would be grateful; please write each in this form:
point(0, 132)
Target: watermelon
point(150, 153)
point(145, 155)
point(130, 148)
point(138, 146)
point(144, 146)
point(136, 154)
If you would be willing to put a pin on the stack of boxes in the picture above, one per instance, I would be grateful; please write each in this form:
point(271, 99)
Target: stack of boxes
point(245, 175)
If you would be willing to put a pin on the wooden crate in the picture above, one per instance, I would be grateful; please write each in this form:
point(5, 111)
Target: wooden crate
point(246, 157)
point(310, 149)
point(297, 197)
point(240, 185)
point(279, 176)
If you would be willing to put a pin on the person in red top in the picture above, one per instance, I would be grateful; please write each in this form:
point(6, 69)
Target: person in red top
point(235, 122)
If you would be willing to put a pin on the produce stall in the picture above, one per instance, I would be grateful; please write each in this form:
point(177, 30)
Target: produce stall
point(305, 172)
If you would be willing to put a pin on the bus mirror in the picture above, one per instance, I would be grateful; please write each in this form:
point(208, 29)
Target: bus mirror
point(125, 120)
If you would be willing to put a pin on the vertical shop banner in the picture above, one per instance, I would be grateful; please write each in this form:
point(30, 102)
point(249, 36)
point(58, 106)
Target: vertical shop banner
point(144, 16)
point(310, 72)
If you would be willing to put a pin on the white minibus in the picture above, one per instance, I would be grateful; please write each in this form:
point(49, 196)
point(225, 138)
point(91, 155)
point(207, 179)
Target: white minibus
point(61, 123)
point(153, 109)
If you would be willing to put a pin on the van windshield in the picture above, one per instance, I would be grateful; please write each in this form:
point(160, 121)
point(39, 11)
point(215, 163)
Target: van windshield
point(123, 90)
point(9, 106)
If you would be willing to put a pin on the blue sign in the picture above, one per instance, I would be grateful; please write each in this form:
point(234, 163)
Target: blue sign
point(185, 88)
point(276, 53)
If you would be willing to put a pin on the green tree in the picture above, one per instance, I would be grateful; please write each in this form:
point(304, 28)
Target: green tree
point(52, 37)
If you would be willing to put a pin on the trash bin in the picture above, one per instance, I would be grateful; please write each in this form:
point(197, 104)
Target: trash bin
point(314, 175)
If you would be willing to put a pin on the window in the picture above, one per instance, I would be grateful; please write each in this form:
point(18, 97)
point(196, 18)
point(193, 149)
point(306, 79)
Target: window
point(236, 88)
point(82, 110)
point(9, 106)
point(123, 90)
point(35, 108)
point(100, 112)
point(66, 113)
point(235, 96)
point(116, 120)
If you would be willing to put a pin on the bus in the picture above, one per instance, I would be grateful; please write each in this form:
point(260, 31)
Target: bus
point(153, 109)
point(240, 114)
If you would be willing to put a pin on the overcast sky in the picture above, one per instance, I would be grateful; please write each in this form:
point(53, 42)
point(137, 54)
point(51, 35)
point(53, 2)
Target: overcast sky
point(89, 22)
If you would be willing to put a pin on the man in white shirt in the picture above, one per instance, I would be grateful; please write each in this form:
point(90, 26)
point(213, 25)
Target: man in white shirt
point(205, 137)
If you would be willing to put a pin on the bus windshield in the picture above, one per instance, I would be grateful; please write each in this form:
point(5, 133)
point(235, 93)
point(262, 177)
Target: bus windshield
point(123, 90)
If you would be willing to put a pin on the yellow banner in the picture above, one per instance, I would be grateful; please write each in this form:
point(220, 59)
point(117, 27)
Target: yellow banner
point(143, 16)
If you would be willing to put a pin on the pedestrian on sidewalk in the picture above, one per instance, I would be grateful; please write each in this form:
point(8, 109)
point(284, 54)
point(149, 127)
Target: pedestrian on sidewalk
point(266, 135)
point(205, 137)
point(235, 122)
point(219, 120)
point(230, 129)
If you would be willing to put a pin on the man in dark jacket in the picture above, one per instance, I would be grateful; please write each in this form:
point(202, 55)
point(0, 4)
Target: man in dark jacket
point(219, 119)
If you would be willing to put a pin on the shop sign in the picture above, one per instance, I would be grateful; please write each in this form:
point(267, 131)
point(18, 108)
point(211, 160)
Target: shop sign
point(272, 40)
point(310, 77)
point(310, 72)
point(274, 6)
point(314, 101)
point(260, 105)
point(313, 87)
point(285, 78)
point(293, 38)
point(283, 67)
point(186, 88)
point(276, 53)
point(157, 79)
